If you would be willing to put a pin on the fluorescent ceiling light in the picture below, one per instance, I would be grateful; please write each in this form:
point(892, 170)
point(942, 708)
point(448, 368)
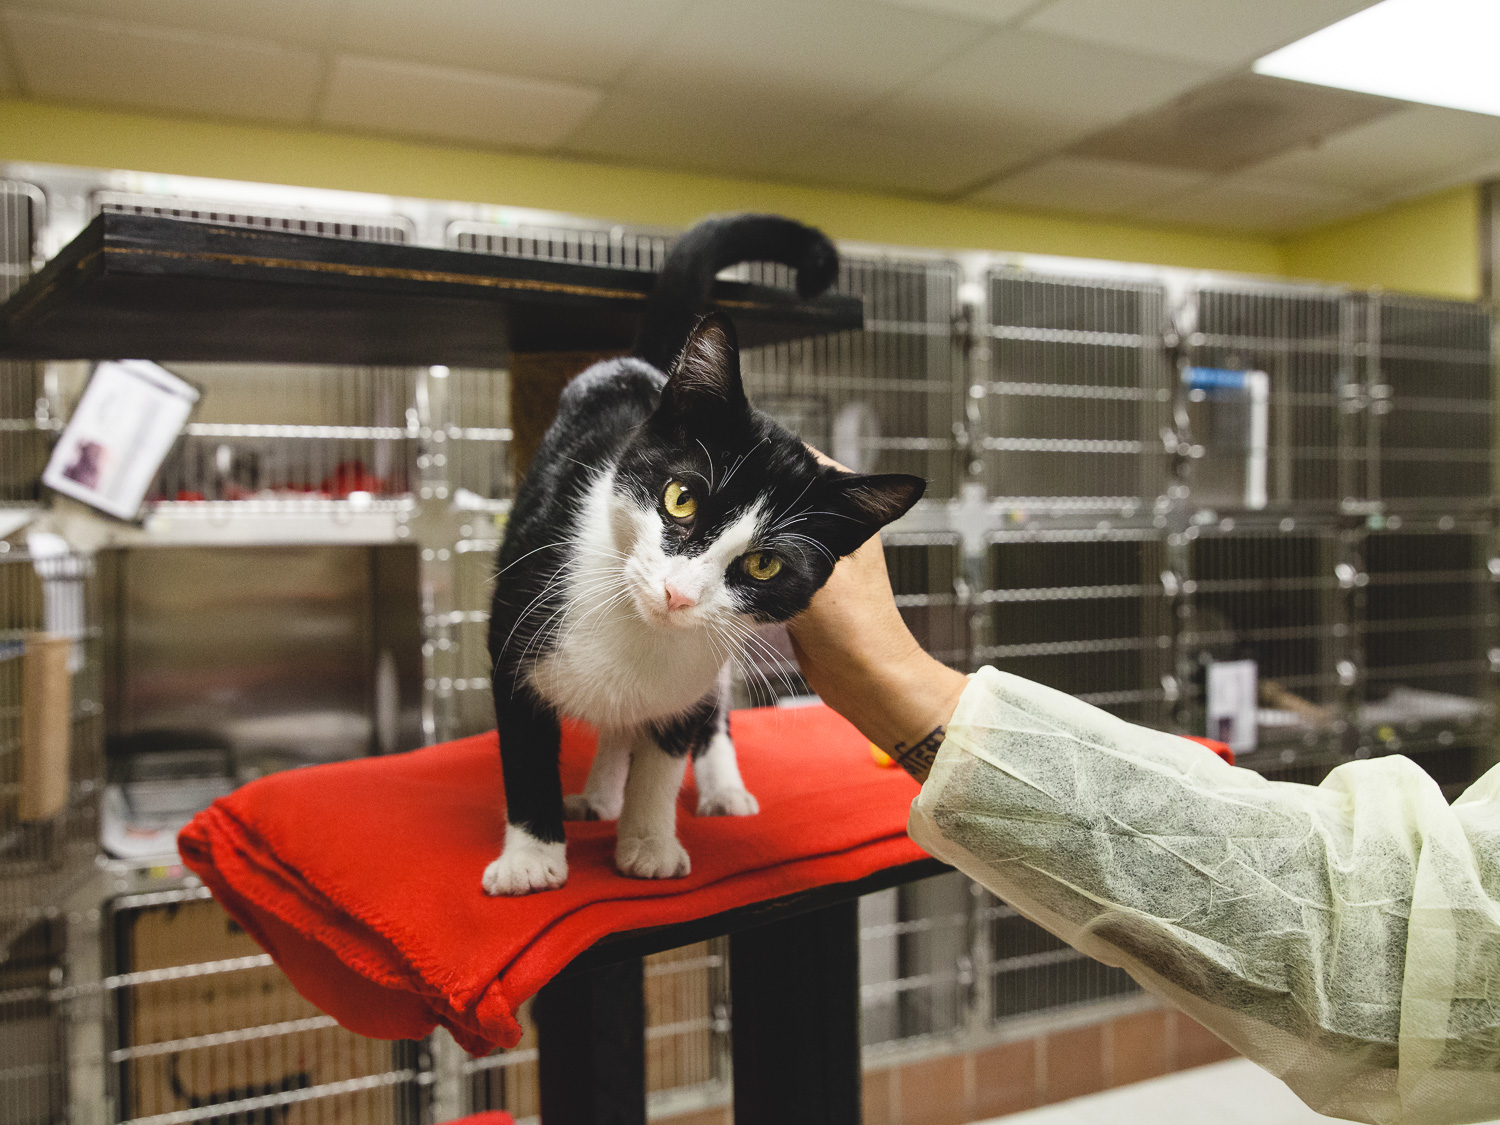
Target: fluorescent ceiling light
point(1438, 52)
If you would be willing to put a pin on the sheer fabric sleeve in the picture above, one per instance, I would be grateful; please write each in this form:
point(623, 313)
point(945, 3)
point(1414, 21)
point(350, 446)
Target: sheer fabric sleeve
point(1346, 937)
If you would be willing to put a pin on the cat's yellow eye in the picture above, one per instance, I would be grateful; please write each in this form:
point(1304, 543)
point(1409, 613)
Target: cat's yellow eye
point(761, 566)
point(678, 501)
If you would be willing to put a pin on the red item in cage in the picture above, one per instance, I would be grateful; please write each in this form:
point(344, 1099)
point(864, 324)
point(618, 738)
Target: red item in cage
point(352, 476)
point(362, 878)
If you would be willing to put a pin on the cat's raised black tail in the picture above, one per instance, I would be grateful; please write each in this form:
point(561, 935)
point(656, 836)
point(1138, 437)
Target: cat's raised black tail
point(681, 294)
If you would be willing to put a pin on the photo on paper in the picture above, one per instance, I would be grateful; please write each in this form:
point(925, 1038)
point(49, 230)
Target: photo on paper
point(131, 413)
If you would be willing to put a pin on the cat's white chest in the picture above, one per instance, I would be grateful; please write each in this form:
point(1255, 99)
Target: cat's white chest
point(616, 671)
point(605, 664)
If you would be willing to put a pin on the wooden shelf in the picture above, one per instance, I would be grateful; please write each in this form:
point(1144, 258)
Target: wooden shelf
point(145, 287)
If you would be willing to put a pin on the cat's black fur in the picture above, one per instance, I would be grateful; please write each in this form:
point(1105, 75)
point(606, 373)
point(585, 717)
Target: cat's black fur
point(676, 410)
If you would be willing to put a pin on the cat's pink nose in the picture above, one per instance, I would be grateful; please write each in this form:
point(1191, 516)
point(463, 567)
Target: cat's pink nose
point(676, 599)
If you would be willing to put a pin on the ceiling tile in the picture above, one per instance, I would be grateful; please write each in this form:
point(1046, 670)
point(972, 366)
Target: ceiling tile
point(1025, 88)
point(303, 22)
point(1216, 32)
point(70, 58)
point(1233, 123)
point(823, 60)
point(1410, 149)
point(860, 157)
point(387, 96)
point(749, 140)
point(1099, 187)
point(1253, 204)
point(584, 41)
point(986, 11)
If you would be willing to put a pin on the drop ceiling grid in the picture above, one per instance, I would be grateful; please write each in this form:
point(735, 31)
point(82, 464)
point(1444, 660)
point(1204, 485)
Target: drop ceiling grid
point(977, 100)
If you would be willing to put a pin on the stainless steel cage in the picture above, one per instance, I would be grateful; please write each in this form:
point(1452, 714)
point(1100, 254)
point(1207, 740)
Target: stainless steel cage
point(1431, 405)
point(46, 854)
point(882, 399)
point(1078, 401)
point(1427, 631)
point(25, 418)
point(1085, 611)
point(1276, 595)
point(1306, 341)
point(365, 226)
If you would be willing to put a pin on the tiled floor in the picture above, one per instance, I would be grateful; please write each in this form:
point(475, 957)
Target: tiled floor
point(1236, 1092)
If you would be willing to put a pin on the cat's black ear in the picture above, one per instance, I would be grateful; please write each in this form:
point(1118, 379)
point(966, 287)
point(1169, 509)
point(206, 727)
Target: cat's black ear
point(706, 375)
point(864, 503)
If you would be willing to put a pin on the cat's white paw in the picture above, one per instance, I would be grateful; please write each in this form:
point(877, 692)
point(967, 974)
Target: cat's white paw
point(652, 857)
point(727, 802)
point(526, 865)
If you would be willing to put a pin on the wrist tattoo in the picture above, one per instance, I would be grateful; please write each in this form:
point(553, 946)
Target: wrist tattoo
point(916, 759)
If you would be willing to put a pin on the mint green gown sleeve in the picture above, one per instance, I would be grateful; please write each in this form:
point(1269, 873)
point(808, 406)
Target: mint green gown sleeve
point(1344, 936)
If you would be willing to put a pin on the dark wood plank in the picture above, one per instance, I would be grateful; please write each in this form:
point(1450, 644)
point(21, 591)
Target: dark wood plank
point(591, 1038)
point(170, 289)
point(795, 987)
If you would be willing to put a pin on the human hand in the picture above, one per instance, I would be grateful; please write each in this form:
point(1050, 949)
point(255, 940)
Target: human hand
point(858, 655)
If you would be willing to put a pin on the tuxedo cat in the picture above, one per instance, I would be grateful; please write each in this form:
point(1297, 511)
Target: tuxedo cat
point(662, 519)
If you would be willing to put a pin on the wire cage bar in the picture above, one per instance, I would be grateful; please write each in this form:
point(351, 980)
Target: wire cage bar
point(206, 1028)
point(25, 421)
point(1079, 395)
point(371, 226)
point(881, 399)
point(284, 435)
point(1276, 595)
point(33, 1030)
point(1427, 631)
point(47, 844)
point(1432, 403)
point(619, 246)
point(1306, 341)
point(1086, 612)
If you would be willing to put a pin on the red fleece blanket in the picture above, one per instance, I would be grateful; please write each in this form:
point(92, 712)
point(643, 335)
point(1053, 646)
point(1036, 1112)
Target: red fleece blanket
point(362, 878)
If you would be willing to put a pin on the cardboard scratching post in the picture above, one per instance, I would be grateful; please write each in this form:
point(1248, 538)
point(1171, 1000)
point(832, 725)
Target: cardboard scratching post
point(537, 380)
point(46, 721)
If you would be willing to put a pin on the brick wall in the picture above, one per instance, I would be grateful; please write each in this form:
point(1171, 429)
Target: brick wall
point(1024, 1073)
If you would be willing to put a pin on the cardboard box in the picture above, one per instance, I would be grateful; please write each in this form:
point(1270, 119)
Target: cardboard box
point(239, 1000)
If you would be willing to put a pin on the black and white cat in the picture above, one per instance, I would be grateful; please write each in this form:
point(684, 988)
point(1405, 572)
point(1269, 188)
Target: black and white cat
point(662, 519)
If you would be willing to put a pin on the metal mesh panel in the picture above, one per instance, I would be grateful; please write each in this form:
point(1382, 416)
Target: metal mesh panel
point(1427, 629)
point(943, 956)
point(290, 433)
point(926, 574)
point(883, 399)
point(1274, 597)
point(1432, 396)
point(1079, 394)
point(357, 225)
point(41, 861)
point(1085, 612)
point(208, 1029)
point(596, 246)
point(1304, 340)
point(478, 449)
point(24, 432)
point(33, 1086)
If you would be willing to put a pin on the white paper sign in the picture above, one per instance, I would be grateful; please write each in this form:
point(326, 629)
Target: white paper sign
point(1231, 689)
point(130, 414)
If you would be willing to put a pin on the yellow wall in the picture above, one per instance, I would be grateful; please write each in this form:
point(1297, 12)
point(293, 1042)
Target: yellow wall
point(1428, 245)
point(99, 138)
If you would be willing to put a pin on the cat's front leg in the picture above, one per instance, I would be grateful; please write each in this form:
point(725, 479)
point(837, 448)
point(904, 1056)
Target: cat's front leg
point(646, 844)
point(716, 768)
point(534, 857)
point(604, 793)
